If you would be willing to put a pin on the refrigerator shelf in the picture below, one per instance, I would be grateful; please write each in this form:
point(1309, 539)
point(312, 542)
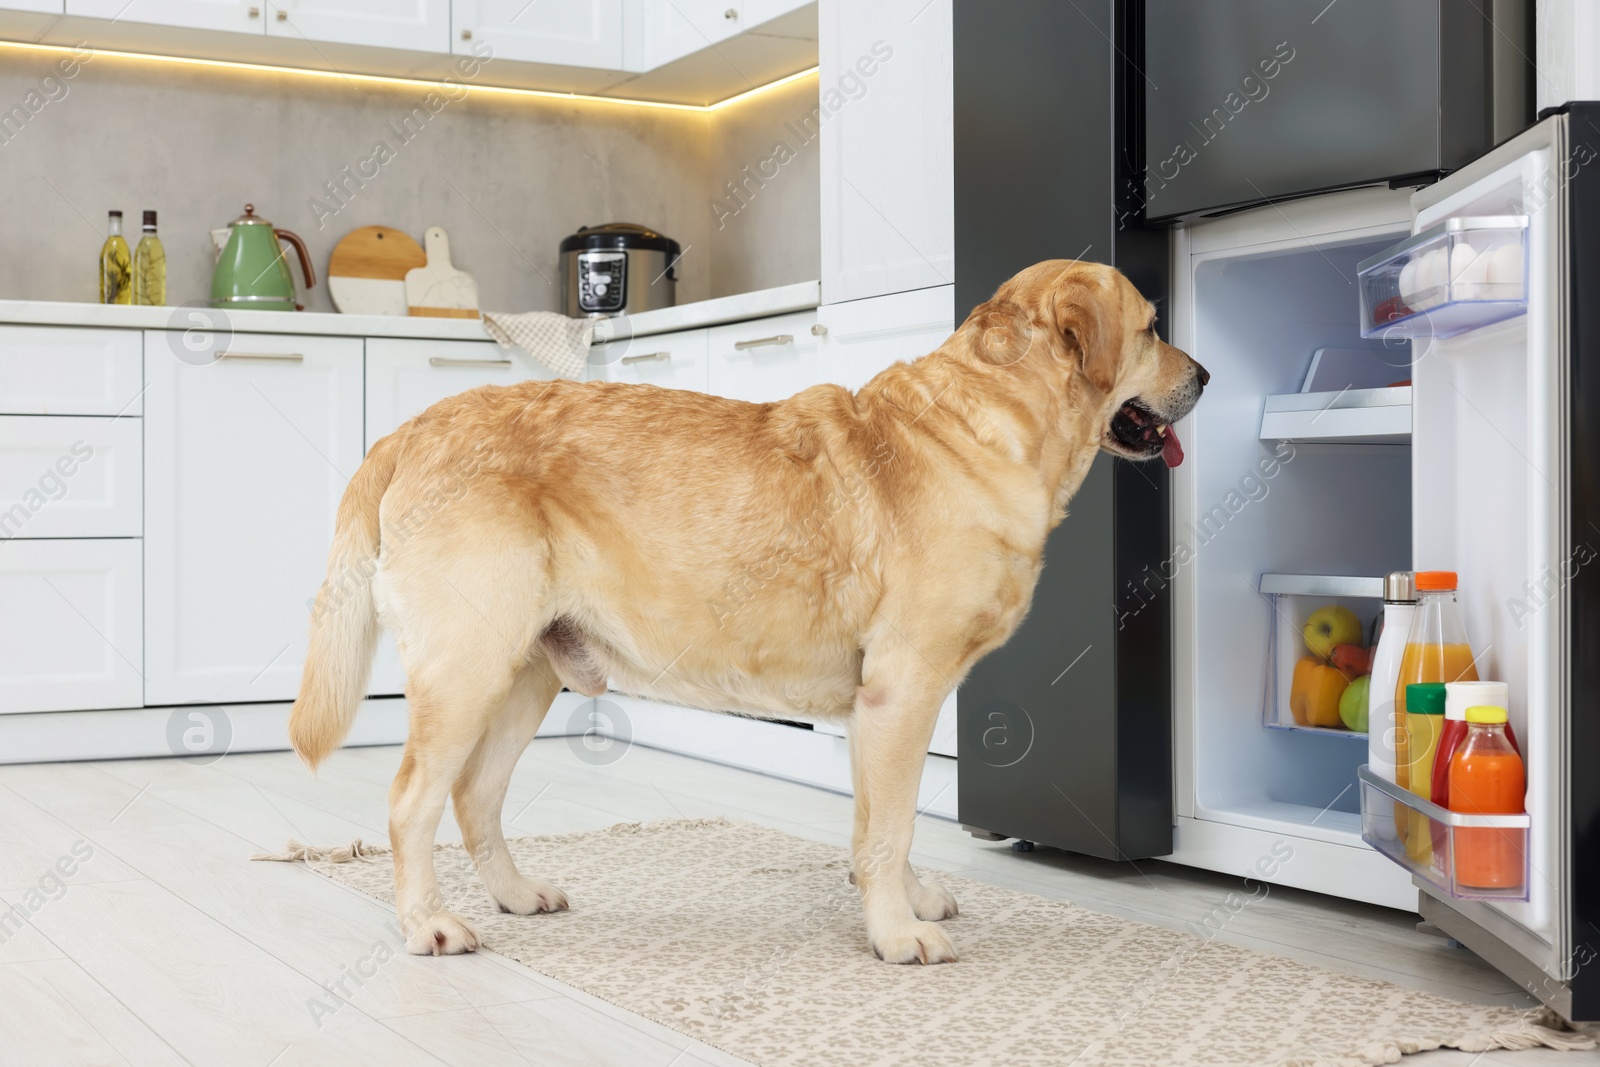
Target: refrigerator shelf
point(1303, 689)
point(1455, 276)
point(1428, 840)
point(1354, 416)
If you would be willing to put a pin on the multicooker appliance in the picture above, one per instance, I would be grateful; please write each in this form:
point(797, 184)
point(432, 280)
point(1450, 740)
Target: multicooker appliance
point(615, 268)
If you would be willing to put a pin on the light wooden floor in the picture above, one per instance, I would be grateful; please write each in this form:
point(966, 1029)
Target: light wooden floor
point(168, 946)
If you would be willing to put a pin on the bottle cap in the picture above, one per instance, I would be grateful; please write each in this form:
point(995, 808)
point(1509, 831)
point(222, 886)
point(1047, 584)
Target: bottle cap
point(114, 214)
point(1436, 581)
point(150, 219)
point(1486, 716)
point(1459, 696)
point(1425, 698)
point(1399, 587)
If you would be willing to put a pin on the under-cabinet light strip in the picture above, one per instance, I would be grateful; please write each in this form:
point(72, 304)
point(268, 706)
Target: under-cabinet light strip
point(422, 83)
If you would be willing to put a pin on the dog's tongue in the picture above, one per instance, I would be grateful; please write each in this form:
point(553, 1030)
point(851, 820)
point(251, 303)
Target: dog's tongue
point(1171, 450)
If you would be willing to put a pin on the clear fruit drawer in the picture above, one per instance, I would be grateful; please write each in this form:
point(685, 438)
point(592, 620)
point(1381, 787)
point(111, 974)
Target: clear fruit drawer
point(1321, 631)
point(1452, 277)
point(1470, 857)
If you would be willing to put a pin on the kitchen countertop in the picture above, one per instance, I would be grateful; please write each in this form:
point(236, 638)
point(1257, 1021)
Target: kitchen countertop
point(797, 297)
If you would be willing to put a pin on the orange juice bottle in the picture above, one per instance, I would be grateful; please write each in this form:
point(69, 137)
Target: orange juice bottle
point(1487, 778)
point(1436, 651)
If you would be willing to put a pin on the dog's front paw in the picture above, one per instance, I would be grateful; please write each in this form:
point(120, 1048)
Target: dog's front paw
point(917, 942)
point(441, 934)
point(932, 901)
point(529, 896)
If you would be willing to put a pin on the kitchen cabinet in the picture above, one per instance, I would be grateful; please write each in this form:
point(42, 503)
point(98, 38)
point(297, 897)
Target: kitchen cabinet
point(765, 359)
point(70, 477)
point(672, 29)
point(672, 360)
point(245, 461)
point(419, 25)
point(406, 377)
point(81, 645)
point(863, 337)
point(576, 33)
point(236, 15)
point(61, 370)
point(887, 157)
point(47, 7)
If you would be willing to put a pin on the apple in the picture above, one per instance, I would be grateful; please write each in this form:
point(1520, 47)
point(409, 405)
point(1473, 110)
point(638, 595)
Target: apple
point(1329, 626)
point(1353, 704)
point(1352, 660)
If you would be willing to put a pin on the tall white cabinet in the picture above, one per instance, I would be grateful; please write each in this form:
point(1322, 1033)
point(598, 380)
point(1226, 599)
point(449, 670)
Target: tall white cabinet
point(419, 25)
point(887, 156)
point(245, 461)
point(577, 33)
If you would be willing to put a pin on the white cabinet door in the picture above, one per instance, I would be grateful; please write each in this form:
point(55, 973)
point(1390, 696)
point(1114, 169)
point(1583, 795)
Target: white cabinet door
point(49, 7)
point(574, 33)
point(765, 359)
point(245, 462)
point(74, 633)
point(887, 152)
point(755, 12)
point(244, 16)
point(70, 477)
point(672, 29)
point(405, 378)
point(421, 25)
point(58, 370)
point(673, 360)
point(864, 337)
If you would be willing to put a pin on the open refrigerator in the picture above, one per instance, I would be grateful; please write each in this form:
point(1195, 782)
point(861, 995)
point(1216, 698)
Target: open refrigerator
point(1360, 422)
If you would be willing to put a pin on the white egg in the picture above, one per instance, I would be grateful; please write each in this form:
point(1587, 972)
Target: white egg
point(1408, 277)
point(1469, 269)
point(1505, 266)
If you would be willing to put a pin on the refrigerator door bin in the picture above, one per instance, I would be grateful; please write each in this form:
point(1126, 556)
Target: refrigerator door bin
point(1434, 841)
point(1304, 688)
point(1452, 277)
point(1353, 416)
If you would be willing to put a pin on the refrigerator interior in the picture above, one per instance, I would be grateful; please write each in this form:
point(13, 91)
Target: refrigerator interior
point(1303, 507)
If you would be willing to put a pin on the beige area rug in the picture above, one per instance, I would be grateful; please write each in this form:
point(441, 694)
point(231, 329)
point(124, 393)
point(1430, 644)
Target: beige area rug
point(752, 940)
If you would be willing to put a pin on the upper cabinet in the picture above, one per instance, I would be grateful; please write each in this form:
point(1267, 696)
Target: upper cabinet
point(577, 33)
point(887, 149)
point(194, 14)
point(418, 25)
point(672, 29)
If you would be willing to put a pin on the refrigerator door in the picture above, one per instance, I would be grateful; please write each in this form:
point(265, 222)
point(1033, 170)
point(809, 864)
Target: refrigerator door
point(1501, 469)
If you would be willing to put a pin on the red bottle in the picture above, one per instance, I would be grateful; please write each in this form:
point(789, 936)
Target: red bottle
point(1458, 697)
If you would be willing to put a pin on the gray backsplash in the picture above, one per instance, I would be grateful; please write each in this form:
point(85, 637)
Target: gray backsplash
point(507, 178)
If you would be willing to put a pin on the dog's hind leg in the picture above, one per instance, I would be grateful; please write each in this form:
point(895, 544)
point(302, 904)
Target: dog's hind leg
point(480, 793)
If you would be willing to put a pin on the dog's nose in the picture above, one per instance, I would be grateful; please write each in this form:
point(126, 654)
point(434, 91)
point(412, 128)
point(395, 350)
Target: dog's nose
point(1205, 375)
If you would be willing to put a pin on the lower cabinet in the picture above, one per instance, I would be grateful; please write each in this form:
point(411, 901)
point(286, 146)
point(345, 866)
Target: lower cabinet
point(245, 461)
point(405, 378)
point(765, 359)
point(863, 337)
point(74, 641)
point(671, 360)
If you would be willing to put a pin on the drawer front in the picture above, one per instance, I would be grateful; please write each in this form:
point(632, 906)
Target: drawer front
point(672, 360)
point(765, 359)
point(82, 646)
point(407, 377)
point(57, 370)
point(70, 477)
point(867, 336)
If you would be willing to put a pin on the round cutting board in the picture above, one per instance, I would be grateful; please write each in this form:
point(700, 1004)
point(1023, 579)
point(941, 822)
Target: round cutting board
point(367, 271)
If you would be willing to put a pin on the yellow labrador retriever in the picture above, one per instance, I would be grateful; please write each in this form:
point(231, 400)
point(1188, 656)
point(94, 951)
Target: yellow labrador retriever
point(837, 555)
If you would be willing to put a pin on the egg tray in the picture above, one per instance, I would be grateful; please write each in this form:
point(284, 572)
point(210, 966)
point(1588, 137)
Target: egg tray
point(1458, 275)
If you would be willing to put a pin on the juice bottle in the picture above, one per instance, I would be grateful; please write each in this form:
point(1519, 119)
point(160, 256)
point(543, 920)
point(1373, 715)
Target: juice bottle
point(1424, 724)
point(1458, 697)
point(1436, 651)
point(1487, 778)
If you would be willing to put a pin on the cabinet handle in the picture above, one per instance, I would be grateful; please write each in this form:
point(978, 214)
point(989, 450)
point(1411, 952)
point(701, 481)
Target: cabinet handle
point(645, 358)
point(283, 16)
point(762, 342)
point(254, 12)
point(276, 357)
point(466, 35)
point(445, 361)
point(818, 329)
point(730, 14)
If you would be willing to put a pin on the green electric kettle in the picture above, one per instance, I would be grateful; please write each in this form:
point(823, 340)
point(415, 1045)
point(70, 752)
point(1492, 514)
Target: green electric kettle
point(251, 271)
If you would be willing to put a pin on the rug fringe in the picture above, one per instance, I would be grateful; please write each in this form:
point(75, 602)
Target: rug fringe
point(1543, 1029)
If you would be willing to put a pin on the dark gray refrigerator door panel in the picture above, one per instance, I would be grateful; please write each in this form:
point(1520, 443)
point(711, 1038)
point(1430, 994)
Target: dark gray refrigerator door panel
point(1065, 731)
point(1251, 100)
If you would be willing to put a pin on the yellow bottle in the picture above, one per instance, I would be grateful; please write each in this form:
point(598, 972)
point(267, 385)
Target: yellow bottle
point(150, 266)
point(116, 265)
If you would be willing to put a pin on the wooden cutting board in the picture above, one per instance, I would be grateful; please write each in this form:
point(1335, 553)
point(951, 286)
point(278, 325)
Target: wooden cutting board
point(367, 271)
point(438, 290)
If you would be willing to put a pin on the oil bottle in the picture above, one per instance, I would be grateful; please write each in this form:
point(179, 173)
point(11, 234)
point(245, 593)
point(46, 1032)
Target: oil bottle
point(150, 266)
point(116, 265)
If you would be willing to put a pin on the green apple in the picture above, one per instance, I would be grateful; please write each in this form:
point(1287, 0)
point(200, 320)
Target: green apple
point(1329, 626)
point(1353, 704)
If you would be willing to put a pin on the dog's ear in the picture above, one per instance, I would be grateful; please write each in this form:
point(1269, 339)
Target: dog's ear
point(1081, 317)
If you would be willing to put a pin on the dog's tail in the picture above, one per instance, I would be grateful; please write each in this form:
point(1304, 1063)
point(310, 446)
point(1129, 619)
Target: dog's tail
point(344, 623)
